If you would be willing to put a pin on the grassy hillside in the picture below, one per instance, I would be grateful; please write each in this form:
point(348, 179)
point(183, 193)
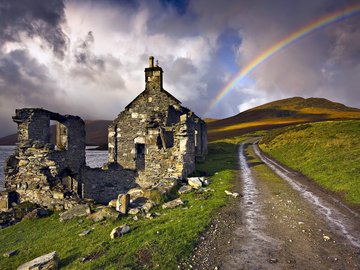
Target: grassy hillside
point(159, 243)
point(327, 152)
point(278, 114)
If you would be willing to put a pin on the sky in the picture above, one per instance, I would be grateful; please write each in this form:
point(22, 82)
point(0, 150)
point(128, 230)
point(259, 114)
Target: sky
point(87, 58)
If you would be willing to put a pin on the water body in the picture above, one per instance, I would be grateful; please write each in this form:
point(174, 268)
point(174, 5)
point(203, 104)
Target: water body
point(94, 158)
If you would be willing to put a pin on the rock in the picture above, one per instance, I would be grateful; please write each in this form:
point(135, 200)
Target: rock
point(46, 262)
point(206, 182)
point(149, 216)
point(207, 190)
point(134, 211)
point(135, 218)
point(85, 233)
point(172, 204)
point(165, 186)
point(103, 213)
point(148, 206)
point(273, 260)
point(58, 195)
point(195, 182)
point(202, 179)
point(112, 203)
point(10, 253)
point(119, 231)
point(233, 194)
point(185, 189)
point(326, 238)
point(77, 211)
point(135, 193)
point(122, 203)
point(37, 213)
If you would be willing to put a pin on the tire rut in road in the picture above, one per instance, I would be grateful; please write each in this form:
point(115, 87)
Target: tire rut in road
point(272, 227)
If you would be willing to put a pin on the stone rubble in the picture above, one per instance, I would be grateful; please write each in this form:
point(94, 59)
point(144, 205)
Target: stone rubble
point(85, 233)
point(104, 213)
point(172, 204)
point(77, 211)
point(10, 253)
point(122, 203)
point(185, 189)
point(195, 182)
point(119, 231)
point(46, 262)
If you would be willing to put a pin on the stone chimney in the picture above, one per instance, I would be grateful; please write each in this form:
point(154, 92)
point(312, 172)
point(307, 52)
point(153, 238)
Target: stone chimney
point(151, 61)
point(153, 74)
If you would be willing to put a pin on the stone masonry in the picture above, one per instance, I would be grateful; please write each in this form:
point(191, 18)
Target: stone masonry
point(41, 172)
point(155, 135)
point(153, 141)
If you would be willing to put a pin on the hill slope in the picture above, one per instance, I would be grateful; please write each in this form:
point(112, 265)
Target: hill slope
point(271, 115)
point(280, 113)
point(96, 133)
point(327, 152)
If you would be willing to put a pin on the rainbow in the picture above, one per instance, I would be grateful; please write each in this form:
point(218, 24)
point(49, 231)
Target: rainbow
point(289, 40)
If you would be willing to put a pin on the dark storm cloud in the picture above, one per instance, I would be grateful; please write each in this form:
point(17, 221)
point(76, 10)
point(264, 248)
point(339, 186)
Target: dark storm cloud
point(84, 55)
point(34, 18)
point(201, 45)
point(23, 80)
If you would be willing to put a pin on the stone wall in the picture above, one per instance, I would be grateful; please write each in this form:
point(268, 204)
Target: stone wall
point(105, 184)
point(156, 136)
point(39, 172)
point(155, 139)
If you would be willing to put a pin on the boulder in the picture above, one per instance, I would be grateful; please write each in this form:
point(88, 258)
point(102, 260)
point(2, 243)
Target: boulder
point(206, 182)
point(77, 211)
point(112, 203)
point(148, 206)
point(133, 211)
point(85, 233)
point(103, 213)
point(37, 213)
point(119, 231)
point(46, 262)
point(195, 182)
point(10, 253)
point(122, 203)
point(165, 186)
point(185, 189)
point(135, 193)
point(172, 204)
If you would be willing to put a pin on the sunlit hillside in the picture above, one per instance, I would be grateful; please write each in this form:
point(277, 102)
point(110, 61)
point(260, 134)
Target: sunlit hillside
point(280, 113)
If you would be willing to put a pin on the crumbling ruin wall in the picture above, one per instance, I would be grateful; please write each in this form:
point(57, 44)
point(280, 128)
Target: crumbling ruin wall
point(40, 173)
point(105, 184)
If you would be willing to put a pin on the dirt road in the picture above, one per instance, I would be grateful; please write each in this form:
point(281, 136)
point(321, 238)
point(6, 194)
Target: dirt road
point(282, 221)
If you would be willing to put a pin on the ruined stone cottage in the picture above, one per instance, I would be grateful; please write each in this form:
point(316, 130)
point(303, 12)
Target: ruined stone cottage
point(155, 135)
point(153, 140)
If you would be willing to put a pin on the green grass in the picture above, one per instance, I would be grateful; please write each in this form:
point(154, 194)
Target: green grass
point(327, 152)
point(160, 243)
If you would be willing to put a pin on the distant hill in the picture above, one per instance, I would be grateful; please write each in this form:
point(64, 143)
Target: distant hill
point(271, 115)
point(96, 133)
point(280, 113)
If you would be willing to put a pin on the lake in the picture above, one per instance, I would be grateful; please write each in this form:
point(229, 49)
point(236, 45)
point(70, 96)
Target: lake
point(94, 159)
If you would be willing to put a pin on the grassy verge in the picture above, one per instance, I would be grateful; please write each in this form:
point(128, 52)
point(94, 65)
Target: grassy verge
point(327, 152)
point(159, 243)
